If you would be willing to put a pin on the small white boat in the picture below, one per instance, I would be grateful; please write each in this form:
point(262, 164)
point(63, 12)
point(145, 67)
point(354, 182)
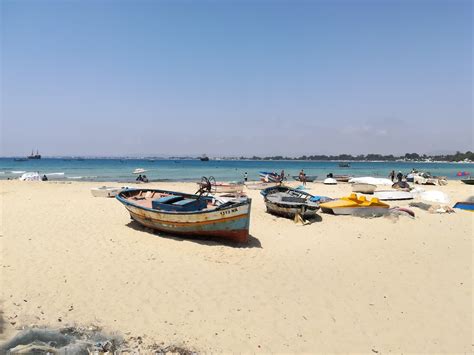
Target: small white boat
point(330, 181)
point(139, 171)
point(106, 191)
point(392, 195)
point(363, 188)
point(371, 180)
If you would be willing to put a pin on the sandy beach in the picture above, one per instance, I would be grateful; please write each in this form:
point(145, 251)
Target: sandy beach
point(340, 284)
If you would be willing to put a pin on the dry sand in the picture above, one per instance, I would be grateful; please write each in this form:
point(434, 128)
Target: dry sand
point(343, 284)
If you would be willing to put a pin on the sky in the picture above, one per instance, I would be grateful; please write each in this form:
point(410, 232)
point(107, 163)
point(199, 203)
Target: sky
point(232, 78)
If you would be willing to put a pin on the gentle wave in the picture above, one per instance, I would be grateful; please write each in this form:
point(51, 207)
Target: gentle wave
point(54, 174)
point(18, 172)
point(81, 177)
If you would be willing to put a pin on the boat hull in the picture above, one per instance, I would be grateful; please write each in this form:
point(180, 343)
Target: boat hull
point(468, 181)
point(363, 188)
point(105, 192)
point(467, 206)
point(309, 178)
point(290, 212)
point(394, 195)
point(355, 210)
point(230, 223)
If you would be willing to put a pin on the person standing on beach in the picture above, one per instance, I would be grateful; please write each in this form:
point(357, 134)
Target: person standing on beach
point(392, 175)
point(399, 176)
point(245, 176)
point(282, 176)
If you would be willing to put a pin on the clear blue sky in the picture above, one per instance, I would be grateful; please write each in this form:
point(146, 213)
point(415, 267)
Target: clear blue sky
point(236, 77)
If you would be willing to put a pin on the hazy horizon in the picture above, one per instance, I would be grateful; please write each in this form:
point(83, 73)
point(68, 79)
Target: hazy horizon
point(151, 78)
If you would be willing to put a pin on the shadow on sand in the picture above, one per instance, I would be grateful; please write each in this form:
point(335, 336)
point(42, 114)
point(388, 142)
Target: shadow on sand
point(211, 241)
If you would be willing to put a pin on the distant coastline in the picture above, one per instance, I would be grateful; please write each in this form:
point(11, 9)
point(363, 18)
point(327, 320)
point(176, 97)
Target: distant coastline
point(458, 157)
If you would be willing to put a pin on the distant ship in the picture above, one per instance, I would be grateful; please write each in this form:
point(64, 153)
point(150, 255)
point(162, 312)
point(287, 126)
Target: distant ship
point(34, 156)
point(204, 158)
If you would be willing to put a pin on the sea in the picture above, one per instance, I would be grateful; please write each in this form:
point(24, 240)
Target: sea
point(121, 170)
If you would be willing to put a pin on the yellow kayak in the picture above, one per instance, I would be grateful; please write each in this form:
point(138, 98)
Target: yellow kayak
point(354, 204)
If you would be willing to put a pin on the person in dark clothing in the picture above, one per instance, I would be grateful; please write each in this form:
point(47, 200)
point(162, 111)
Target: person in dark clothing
point(392, 175)
point(399, 176)
point(282, 175)
point(139, 178)
point(245, 176)
point(144, 178)
point(44, 178)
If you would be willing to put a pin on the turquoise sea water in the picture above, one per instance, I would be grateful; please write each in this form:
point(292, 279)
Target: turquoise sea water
point(191, 170)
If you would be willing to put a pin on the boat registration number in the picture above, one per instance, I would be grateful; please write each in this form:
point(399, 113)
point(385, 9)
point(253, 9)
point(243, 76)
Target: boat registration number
point(223, 213)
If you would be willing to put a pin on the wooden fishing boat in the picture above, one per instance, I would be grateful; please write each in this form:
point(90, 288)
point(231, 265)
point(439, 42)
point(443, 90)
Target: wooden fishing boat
point(105, 191)
point(466, 205)
point(187, 214)
point(287, 202)
point(363, 188)
point(309, 178)
point(354, 205)
point(256, 185)
point(469, 181)
point(392, 195)
point(342, 178)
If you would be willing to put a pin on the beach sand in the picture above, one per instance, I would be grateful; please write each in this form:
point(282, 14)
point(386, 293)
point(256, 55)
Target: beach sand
point(341, 284)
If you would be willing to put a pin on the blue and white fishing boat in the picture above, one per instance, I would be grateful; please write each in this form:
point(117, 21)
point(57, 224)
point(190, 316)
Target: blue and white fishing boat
point(187, 214)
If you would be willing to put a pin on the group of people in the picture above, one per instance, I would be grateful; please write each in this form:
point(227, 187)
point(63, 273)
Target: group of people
point(399, 176)
point(142, 178)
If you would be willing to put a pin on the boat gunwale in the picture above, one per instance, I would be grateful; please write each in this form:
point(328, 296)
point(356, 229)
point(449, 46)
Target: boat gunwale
point(217, 209)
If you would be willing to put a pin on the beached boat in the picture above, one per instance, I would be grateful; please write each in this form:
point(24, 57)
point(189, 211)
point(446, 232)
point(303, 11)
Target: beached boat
point(354, 205)
point(392, 195)
point(287, 202)
point(330, 181)
point(363, 188)
point(401, 185)
point(469, 181)
point(269, 176)
point(256, 185)
point(105, 191)
point(188, 215)
point(139, 171)
point(371, 180)
point(342, 178)
point(466, 205)
point(309, 178)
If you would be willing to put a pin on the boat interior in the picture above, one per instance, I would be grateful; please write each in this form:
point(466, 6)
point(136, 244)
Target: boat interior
point(168, 202)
